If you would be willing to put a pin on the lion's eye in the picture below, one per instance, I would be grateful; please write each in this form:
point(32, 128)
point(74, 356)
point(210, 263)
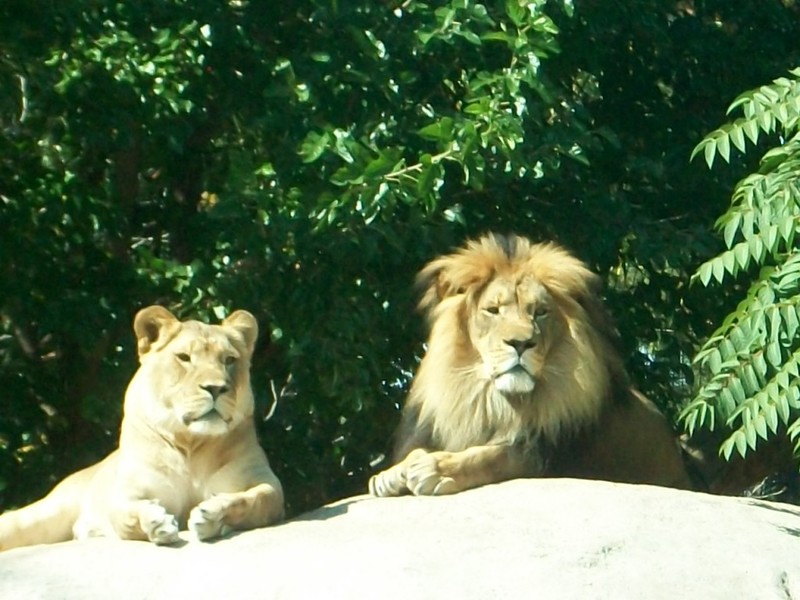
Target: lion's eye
point(492, 310)
point(229, 360)
point(540, 311)
point(183, 357)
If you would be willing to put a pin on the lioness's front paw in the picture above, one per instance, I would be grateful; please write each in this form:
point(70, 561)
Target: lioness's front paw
point(207, 519)
point(158, 525)
point(424, 476)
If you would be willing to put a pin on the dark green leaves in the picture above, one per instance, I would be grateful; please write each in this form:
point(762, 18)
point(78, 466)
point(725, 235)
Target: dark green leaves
point(314, 146)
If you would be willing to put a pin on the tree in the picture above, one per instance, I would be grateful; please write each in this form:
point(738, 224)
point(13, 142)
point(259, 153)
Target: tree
point(303, 160)
point(750, 366)
point(202, 157)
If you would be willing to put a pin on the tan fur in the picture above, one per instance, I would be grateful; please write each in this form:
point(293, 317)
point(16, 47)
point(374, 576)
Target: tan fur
point(521, 379)
point(188, 454)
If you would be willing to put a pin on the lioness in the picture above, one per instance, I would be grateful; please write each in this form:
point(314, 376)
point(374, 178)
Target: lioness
point(521, 378)
point(188, 453)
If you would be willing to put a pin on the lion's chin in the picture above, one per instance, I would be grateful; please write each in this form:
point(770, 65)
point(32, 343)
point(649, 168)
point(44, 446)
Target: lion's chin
point(515, 381)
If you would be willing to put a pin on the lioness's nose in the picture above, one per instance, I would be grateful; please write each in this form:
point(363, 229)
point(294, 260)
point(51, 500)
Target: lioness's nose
point(521, 345)
point(215, 390)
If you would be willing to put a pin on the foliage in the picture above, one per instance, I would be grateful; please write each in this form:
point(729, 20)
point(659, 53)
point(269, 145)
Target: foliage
point(303, 160)
point(750, 366)
point(198, 156)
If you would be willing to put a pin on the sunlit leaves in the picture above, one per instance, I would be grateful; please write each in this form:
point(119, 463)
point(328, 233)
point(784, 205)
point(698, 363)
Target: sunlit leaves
point(749, 370)
point(314, 146)
point(765, 109)
point(148, 66)
point(471, 119)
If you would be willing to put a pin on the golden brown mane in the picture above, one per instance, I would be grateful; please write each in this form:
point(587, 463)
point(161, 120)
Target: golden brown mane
point(520, 363)
point(582, 365)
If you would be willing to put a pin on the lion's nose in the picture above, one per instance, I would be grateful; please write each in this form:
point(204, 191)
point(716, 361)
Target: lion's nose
point(521, 345)
point(216, 390)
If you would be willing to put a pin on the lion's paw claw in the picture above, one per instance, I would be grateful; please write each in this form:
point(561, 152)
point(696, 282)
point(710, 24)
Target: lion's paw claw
point(425, 477)
point(391, 482)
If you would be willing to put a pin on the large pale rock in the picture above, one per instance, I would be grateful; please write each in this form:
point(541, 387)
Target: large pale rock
point(542, 539)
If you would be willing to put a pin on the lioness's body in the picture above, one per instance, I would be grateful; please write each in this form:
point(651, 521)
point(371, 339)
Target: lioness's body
point(188, 454)
point(521, 379)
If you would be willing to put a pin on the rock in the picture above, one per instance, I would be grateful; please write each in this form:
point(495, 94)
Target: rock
point(546, 538)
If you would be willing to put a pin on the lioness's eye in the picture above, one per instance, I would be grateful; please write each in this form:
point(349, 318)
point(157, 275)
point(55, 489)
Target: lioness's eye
point(229, 360)
point(540, 311)
point(183, 357)
point(492, 310)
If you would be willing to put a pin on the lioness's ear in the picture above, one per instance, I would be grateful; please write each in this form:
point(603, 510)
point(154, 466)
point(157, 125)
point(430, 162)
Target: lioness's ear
point(246, 324)
point(154, 325)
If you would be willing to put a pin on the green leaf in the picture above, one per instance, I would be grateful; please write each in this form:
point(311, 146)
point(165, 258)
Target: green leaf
point(715, 361)
point(751, 433)
point(729, 262)
point(737, 137)
point(471, 37)
point(718, 269)
point(771, 416)
point(750, 128)
point(516, 11)
point(731, 229)
point(750, 380)
point(379, 166)
point(313, 146)
point(704, 273)
point(427, 179)
point(737, 389)
point(709, 152)
point(774, 353)
point(441, 131)
point(740, 439)
point(782, 407)
point(742, 254)
point(724, 147)
point(790, 321)
point(760, 425)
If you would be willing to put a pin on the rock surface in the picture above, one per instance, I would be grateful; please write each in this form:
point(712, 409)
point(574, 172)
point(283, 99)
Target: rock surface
point(559, 539)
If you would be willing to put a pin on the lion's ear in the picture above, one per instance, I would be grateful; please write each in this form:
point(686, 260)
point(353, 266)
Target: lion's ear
point(154, 326)
point(451, 275)
point(246, 324)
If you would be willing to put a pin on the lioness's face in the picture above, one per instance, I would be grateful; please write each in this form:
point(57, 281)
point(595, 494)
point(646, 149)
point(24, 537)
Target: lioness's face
point(513, 328)
point(197, 375)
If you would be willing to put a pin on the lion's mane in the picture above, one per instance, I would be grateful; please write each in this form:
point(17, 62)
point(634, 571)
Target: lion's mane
point(577, 378)
point(564, 406)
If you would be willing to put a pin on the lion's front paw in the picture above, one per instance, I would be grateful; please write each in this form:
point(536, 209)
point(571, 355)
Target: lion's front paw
point(391, 482)
point(158, 525)
point(207, 519)
point(424, 476)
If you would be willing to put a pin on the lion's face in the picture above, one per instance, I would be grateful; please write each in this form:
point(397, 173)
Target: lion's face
point(512, 325)
point(193, 377)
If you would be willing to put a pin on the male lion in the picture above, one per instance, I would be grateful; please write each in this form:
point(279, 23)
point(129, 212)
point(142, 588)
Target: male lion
point(521, 379)
point(188, 453)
